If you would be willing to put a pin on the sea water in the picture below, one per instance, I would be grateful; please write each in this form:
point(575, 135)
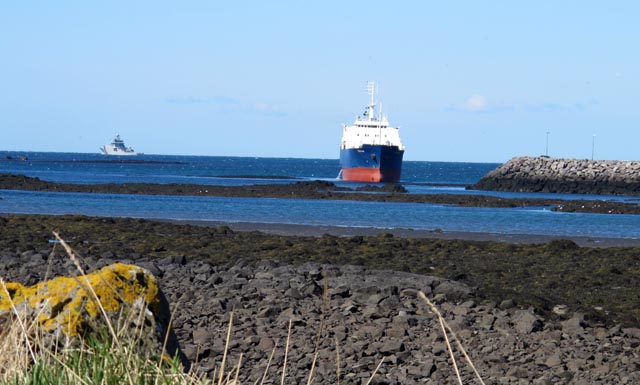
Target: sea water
point(418, 177)
point(219, 170)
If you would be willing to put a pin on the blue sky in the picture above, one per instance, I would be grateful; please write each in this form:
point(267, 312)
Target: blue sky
point(478, 81)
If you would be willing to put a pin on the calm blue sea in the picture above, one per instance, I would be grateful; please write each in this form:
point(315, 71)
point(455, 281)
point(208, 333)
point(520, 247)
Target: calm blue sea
point(96, 168)
point(418, 177)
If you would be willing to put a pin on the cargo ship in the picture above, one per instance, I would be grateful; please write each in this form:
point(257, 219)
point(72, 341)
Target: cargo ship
point(371, 150)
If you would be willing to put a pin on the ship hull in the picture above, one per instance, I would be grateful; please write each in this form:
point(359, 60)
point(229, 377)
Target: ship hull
point(371, 163)
point(110, 150)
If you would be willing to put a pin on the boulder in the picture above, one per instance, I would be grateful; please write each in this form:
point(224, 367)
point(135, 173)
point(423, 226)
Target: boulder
point(525, 322)
point(123, 297)
point(575, 325)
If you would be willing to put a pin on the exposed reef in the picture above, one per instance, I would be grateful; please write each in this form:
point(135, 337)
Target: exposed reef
point(319, 190)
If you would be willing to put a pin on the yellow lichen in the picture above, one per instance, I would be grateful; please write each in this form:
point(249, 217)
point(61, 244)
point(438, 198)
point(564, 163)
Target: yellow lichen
point(14, 290)
point(62, 303)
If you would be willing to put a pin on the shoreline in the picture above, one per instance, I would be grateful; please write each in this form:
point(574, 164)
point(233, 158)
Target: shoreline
point(318, 231)
point(320, 190)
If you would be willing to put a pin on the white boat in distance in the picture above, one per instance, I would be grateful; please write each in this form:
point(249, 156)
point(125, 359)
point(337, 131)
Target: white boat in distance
point(117, 147)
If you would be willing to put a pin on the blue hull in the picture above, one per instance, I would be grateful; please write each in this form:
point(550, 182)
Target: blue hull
point(371, 163)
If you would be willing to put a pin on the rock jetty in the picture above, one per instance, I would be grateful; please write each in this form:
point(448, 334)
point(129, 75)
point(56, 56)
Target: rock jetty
point(364, 316)
point(557, 175)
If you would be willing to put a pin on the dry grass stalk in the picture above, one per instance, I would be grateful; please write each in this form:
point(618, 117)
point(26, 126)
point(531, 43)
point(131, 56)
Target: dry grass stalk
point(375, 371)
point(226, 348)
point(337, 360)
point(235, 379)
point(166, 335)
point(17, 330)
point(266, 370)
point(449, 349)
point(75, 261)
point(13, 355)
point(286, 354)
point(313, 365)
point(445, 327)
point(15, 358)
point(23, 329)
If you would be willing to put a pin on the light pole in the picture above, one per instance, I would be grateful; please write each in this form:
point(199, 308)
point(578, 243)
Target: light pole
point(546, 151)
point(593, 145)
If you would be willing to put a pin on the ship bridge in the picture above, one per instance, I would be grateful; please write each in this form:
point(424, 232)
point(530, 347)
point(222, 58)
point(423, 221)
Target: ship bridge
point(369, 129)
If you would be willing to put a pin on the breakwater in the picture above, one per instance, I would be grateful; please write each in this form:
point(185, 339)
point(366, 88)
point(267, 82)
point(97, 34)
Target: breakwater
point(557, 175)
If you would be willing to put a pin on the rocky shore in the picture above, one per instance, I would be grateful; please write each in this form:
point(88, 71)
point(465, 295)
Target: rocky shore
point(556, 175)
point(320, 190)
point(602, 283)
point(353, 317)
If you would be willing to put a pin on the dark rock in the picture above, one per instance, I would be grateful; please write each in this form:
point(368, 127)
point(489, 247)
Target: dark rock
point(486, 321)
point(631, 332)
point(266, 344)
point(452, 290)
point(310, 289)
point(152, 267)
point(202, 336)
point(575, 325)
point(370, 314)
point(507, 304)
point(553, 361)
point(525, 321)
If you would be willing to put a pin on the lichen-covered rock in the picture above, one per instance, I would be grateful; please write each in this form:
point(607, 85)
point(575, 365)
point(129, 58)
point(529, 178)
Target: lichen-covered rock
point(124, 296)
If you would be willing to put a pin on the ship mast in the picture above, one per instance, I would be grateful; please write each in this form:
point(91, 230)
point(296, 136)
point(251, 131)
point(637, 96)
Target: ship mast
point(371, 88)
point(380, 124)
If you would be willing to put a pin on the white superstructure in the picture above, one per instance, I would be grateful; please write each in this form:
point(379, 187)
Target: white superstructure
point(117, 147)
point(370, 129)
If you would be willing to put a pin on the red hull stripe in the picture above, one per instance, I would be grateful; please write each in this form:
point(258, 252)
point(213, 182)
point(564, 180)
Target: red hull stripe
point(367, 174)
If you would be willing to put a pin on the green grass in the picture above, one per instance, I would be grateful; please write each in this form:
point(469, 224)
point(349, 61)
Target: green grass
point(29, 356)
point(99, 361)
